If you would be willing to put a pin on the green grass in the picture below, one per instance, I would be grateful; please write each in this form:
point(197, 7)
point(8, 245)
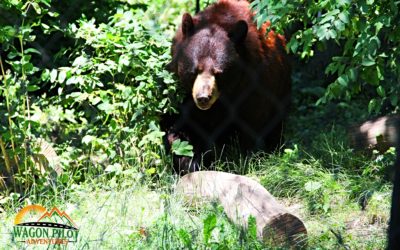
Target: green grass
point(130, 215)
point(343, 197)
point(322, 181)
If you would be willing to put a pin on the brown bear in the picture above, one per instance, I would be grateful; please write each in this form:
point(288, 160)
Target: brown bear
point(237, 82)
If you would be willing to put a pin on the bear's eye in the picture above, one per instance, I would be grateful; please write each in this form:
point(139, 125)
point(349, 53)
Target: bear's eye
point(194, 71)
point(189, 75)
point(192, 74)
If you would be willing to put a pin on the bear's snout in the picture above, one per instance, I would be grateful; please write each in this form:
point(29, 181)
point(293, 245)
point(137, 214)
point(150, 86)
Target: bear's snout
point(205, 91)
point(203, 100)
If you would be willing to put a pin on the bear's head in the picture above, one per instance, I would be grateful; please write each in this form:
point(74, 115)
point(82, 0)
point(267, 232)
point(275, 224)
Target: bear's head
point(205, 58)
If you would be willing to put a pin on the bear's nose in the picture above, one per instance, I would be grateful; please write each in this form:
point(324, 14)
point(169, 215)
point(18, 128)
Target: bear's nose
point(203, 99)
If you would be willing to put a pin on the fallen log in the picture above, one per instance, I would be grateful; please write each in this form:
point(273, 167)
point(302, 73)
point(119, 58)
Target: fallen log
point(379, 134)
point(243, 197)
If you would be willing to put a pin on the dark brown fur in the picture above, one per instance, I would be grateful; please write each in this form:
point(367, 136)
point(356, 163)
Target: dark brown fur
point(252, 74)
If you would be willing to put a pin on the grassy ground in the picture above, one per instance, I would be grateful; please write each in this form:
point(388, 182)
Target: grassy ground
point(343, 198)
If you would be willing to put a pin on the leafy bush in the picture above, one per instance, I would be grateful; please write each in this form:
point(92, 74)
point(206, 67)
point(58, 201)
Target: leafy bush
point(367, 32)
point(20, 77)
point(118, 83)
point(99, 102)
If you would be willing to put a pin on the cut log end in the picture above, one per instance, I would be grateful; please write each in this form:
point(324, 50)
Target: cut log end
point(286, 229)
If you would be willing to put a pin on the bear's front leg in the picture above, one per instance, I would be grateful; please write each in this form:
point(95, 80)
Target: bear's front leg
point(182, 164)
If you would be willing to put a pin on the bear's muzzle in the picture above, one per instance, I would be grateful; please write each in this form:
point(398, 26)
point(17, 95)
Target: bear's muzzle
point(205, 91)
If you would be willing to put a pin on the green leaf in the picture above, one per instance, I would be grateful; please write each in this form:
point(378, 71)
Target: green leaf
point(123, 61)
point(331, 34)
point(372, 105)
point(381, 91)
point(343, 2)
point(46, 2)
point(185, 237)
point(106, 107)
point(252, 227)
point(80, 61)
point(182, 148)
point(368, 61)
point(78, 96)
point(94, 100)
point(53, 75)
point(335, 89)
point(150, 171)
point(61, 76)
point(73, 80)
point(32, 50)
point(293, 44)
point(329, 16)
point(344, 17)
point(372, 75)
point(45, 75)
point(28, 68)
point(339, 25)
point(378, 27)
point(153, 137)
point(352, 74)
point(326, 19)
point(312, 186)
point(343, 80)
point(36, 7)
point(87, 139)
point(64, 178)
point(209, 225)
point(32, 88)
point(373, 45)
point(322, 31)
point(53, 14)
point(117, 168)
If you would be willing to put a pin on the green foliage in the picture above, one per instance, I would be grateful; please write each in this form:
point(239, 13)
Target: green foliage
point(19, 77)
point(118, 85)
point(251, 235)
point(182, 148)
point(101, 104)
point(367, 32)
point(185, 237)
point(209, 225)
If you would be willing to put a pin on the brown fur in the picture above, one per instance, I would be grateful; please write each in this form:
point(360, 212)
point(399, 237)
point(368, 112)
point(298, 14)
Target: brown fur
point(253, 78)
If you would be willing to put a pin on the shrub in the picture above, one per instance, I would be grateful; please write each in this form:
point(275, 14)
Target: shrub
point(93, 87)
point(367, 32)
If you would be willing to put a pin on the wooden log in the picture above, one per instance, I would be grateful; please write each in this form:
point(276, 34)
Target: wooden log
point(380, 134)
point(241, 197)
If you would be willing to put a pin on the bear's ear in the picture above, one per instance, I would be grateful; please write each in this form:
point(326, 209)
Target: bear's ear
point(239, 32)
point(187, 25)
